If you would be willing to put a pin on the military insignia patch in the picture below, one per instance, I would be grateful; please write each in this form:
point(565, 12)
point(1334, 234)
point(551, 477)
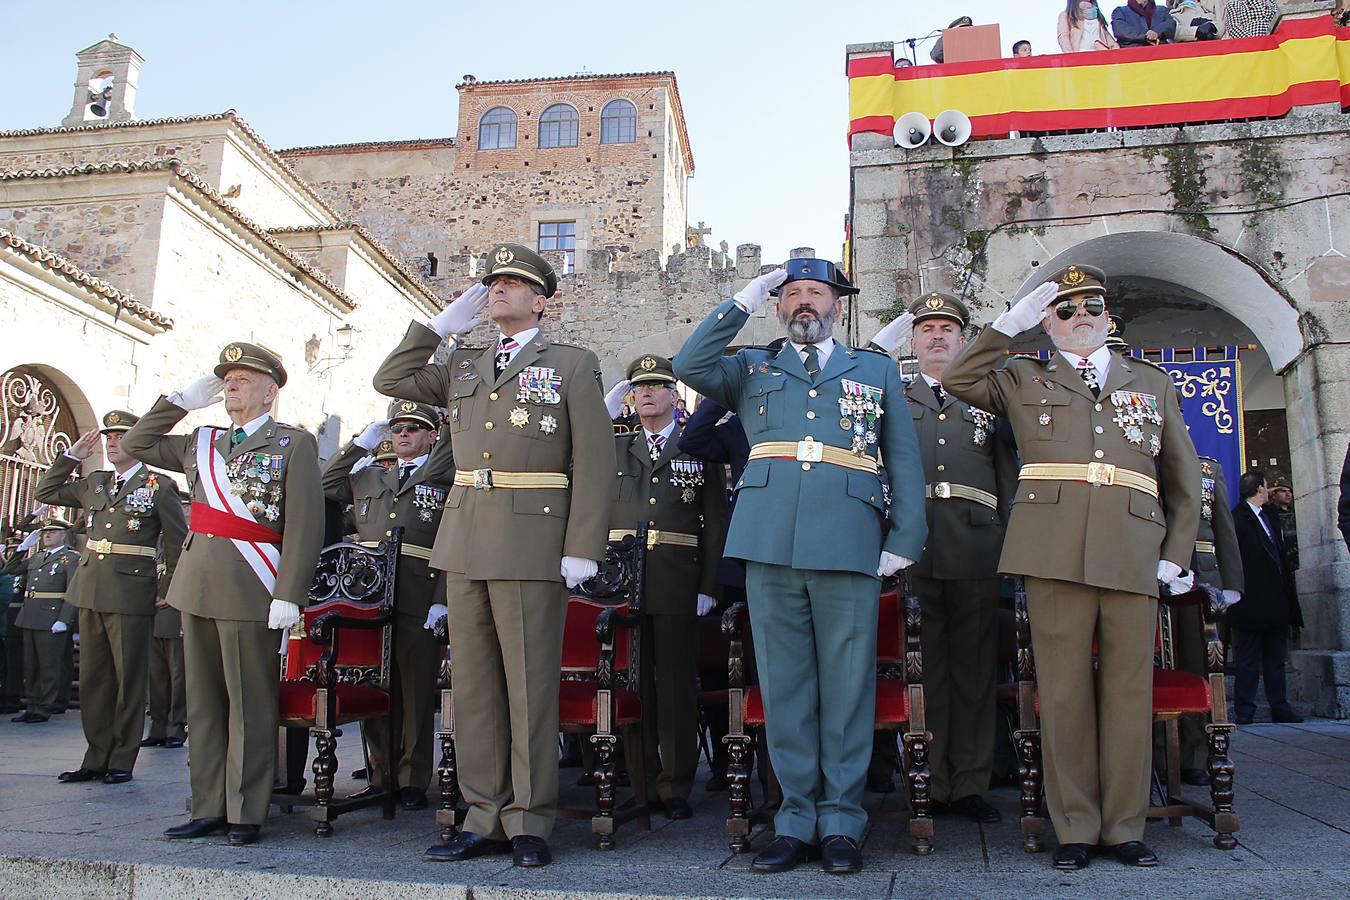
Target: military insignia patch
point(112, 418)
point(1044, 419)
point(505, 257)
point(233, 353)
point(407, 406)
point(519, 417)
point(647, 363)
point(285, 441)
point(1073, 276)
point(934, 302)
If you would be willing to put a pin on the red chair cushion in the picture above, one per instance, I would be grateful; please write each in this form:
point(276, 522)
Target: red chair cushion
point(576, 704)
point(1180, 692)
point(581, 651)
point(354, 701)
point(892, 703)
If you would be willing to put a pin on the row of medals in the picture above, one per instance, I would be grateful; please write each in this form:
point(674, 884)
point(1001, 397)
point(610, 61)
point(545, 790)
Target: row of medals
point(687, 475)
point(250, 475)
point(1133, 410)
point(860, 409)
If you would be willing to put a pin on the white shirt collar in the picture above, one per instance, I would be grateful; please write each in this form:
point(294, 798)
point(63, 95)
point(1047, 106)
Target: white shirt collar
point(129, 473)
point(1255, 509)
point(250, 427)
point(522, 337)
point(1100, 359)
point(664, 432)
point(415, 462)
point(823, 349)
point(930, 379)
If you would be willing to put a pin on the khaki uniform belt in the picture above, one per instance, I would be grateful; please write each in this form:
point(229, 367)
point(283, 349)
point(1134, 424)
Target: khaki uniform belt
point(809, 451)
point(487, 479)
point(416, 552)
point(656, 536)
point(102, 546)
point(943, 490)
point(46, 595)
point(1204, 546)
point(1095, 474)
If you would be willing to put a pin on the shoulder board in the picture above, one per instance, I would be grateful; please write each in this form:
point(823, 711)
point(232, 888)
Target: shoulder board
point(1150, 363)
point(553, 343)
point(1028, 357)
point(872, 350)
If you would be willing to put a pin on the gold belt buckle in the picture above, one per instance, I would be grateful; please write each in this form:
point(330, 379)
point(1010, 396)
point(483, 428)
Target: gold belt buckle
point(100, 546)
point(810, 450)
point(1099, 474)
point(942, 490)
point(653, 538)
point(482, 479)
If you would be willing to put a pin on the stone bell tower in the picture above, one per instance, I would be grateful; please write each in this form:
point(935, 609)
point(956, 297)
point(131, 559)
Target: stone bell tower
point(105, 84)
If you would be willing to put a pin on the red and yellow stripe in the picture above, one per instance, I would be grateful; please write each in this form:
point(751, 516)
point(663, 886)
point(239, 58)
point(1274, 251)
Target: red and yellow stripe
point(1305, 61)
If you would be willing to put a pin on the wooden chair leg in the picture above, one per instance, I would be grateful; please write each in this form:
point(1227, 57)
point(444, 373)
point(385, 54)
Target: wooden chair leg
point(325, 766)
point(1221, 772)
point(738, 792)
point(1029, 778)
point(605, 774)
point(919, 777)
point(447, 772)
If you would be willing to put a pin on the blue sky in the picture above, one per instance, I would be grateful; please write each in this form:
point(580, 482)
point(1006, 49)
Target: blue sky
point(762, 83)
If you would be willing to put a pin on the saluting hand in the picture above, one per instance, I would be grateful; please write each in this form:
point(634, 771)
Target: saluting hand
point(752, 296)
point(373, 435)
point(84, 447)
point(614, 399)
point(200, 394)
point(1027, 312)
point(461, 316)
point(895, 333)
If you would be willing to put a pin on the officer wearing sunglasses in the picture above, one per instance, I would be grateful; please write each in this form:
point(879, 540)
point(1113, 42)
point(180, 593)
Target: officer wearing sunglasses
point(1099, 432)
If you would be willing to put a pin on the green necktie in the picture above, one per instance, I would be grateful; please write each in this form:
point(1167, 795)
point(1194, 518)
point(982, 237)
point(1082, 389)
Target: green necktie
point(237, 437)
point(812, 360)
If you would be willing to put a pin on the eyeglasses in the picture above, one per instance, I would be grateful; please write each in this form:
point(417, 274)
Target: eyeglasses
point(399, 429)
point(1093, 306)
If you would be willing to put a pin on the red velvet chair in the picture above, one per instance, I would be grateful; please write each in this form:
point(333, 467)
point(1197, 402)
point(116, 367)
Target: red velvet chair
point(336, 669)
point(899, 707)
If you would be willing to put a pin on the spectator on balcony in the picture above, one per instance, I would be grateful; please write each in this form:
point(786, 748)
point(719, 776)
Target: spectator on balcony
point(1197, 20)
point(1341, 14)
point(1143, 23)
point(1022, 48)
point(1082, 27)
point(1250, 18)
point(936, 53)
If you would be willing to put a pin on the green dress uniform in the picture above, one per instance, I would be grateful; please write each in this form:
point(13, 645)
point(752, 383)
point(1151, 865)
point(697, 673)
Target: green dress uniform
point(231, 656)
point(1086, 532)
point(970, 474)
point(382, 500)
point(129, 523)
point(167, 678)
point(811, 521)
point(684, 503)
point(43, 578)
point(534, 451)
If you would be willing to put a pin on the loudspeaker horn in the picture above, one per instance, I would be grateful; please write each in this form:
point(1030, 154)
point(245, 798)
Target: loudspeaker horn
point(912, 130)
point(952, 127)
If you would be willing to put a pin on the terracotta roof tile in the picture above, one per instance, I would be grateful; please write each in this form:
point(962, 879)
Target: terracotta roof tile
point(585, 77)
point(368, 146)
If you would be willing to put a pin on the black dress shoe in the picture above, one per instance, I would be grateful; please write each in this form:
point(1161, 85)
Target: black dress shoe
point(839, 855)
point(361, 774)
point(174, 743)
point(938, 808)
point(197, 828)
point(369, 790)
point(243, 835)
point(1287, 717)
point(79, 775)
point(117, 776)
point(880, 782)
point(1135, 853)
point(677, 808)
point(528, 851)
point(466, 845)
point(153, 742)
point(412, 798)
point(1197, 777)
point(1072, 857)
point(784, 855)
point(976, 809)
point(34, 719)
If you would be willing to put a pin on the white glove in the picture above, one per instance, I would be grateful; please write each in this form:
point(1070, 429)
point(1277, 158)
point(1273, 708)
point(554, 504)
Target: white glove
point(1231, 598)
point(752, 296)
point(461, 316)
point(575, 570)
point(1167, 570)
point(282, 614)
point(614, 399)
point(1027, 312)
point(437, 612)
point(1182, 585)
point(374, 433)
point(200, 394)
point(40, 509)
point(705, 604)
point(29, 542)
point(890, 564)
point(59, 628)
point(896, 333)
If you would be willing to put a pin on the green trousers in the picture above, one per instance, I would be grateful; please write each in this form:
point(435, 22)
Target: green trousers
point(417, 658)
point(114, 651)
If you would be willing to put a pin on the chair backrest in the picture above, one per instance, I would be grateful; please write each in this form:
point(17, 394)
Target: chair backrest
point(581, 649)
point(890, 628)
point(355, 582)
point(618, 585)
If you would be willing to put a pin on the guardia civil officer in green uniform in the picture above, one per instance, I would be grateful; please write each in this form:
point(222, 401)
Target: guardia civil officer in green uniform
point(971, 474)
point(410, 495)
point(45, 617)
point(527, 518)
point(684, 503)
point(239, 585)
point(812, 525)
point(1092, 540)
point(132, 517)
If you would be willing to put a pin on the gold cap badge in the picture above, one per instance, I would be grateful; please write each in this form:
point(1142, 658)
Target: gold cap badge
point(505, 256)
point(1074, 276)
point(233, 353)
point(112, 418)
point(408, 406)
point(648, 364)
point(934, 302)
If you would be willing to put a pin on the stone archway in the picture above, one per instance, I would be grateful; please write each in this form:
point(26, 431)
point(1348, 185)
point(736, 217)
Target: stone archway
point(42, 412)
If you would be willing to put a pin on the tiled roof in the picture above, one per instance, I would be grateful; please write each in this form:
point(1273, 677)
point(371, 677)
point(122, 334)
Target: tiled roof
point(368, 146)
point(57, 263)
point(360, 229)
point(584, 77)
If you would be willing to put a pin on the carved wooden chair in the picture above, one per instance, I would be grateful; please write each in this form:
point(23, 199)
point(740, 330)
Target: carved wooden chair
point(337, 668)
point(1176, 693)
point(899, 707)
point(598, 693)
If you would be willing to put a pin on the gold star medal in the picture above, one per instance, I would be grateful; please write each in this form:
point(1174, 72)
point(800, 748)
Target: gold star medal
point(519, 417)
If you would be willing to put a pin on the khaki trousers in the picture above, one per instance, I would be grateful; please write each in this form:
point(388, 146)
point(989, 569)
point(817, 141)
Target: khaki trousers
point(233, 672)
point(669, 704)
point(417, 659)
point(114, 652)
point(43, 653)
point(1095, 730)
point(168, 690)
point(506, 643)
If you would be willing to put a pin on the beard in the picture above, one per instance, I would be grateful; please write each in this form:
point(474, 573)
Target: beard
point(809, 329)
point(1081, 343)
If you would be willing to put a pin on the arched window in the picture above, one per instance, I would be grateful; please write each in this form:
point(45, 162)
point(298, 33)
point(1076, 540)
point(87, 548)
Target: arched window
point(497, 129)
point(618, 123)
point(558, 126)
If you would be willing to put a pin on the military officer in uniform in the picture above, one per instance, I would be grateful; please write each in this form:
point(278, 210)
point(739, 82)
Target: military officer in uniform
point(527, 517)
point(46, 617)
point(971, 473)
point(1092, 538)
point(167, 679)
point(811, 522)
point(239, 585)
point(684, 503)
point(132, 516)
point(410, 495)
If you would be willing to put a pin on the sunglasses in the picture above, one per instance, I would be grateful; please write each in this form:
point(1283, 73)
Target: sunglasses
point(1093, 306)
point(399, 429)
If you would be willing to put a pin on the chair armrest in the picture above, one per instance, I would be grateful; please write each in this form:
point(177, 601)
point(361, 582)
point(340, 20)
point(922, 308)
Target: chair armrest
point(325, 632)
point(732, 621)
point(1026, 659)
point(735, 614)
point(605, 626)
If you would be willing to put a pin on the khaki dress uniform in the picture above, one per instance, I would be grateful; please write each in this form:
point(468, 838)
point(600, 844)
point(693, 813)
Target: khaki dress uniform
point(127, 530)
point(43, 578)
point(970, 474)
point(534, 452)
point(1087, 531)
point(167, 679)
point(684, 503)
point(379, 505)
point(231, 655)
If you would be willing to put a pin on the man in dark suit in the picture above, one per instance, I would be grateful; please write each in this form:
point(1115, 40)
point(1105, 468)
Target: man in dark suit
point(1268, 607)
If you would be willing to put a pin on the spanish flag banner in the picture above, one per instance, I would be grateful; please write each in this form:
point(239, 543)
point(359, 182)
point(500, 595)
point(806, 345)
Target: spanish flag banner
point(1306, 61)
